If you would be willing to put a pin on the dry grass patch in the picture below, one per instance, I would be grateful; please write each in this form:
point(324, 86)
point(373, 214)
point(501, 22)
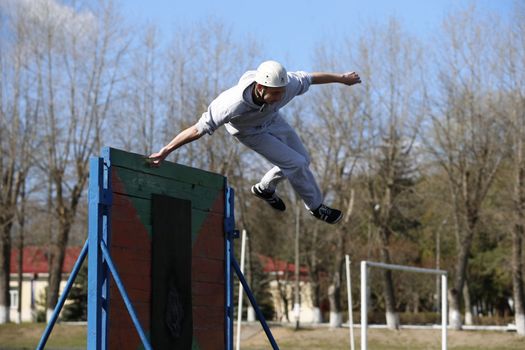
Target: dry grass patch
point(381, 339)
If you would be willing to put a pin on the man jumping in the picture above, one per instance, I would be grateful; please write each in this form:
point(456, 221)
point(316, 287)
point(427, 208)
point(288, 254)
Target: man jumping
point(250, 112)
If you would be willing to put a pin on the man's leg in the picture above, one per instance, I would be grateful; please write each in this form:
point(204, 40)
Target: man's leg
point(282, 147)
point(289, 163)
point(271, 179)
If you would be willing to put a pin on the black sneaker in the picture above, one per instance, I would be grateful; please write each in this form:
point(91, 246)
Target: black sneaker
point(327, 214)
point(270, 198)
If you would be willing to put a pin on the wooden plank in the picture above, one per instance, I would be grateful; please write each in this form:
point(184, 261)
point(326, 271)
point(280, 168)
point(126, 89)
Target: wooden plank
point(168, 169)
point(142, 185)
point(121, 216)
point(142, 207)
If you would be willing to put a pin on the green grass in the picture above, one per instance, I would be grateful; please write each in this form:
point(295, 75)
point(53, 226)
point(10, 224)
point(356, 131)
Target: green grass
point(27, 336)
point(67, 336)
point(383, 339)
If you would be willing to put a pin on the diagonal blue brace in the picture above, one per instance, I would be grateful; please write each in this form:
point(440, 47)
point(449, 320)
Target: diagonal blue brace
point(231, 233)
point(125, 296)
point(254, 303)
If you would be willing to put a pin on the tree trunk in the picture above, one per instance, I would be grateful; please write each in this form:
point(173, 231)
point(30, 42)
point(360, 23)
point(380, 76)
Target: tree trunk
point(455, 319)
point(334, 290)
point(317, 316)
point(392, 319)
point(334, 297)
point(284, 298)
point(20, 262)
point(517, 277)
point(517, 240)
point(464, 236)
point(454, 314)
point(416, 303)
point(461, 268)
point(283, 293)
point(314, 280)
point(5, 267)
point(66, 215)
point(468, 305)
point(315, 291)
point(58, 251)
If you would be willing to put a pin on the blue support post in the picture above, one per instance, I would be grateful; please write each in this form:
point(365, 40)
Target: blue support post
point(231, 233)
point(99, 262)
point(254, 303)
point(63, 297)
point(107, 200)
point(99, 198)
point(229, 228)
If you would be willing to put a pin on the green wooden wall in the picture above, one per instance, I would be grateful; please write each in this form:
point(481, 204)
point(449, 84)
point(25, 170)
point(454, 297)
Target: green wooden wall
point(134, 183)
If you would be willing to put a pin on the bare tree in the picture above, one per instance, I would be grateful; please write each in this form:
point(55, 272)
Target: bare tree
point(332, 129)
point(202, 61)
point(394, 102)
point(77, 56)
point(519, 208)
point(467, 136)
point(17, 131)
point(139, 104)
point(512, 52)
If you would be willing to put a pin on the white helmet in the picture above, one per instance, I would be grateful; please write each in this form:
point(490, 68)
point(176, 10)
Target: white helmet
point(271, 74)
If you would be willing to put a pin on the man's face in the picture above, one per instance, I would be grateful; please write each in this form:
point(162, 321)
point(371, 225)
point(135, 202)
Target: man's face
point(271, 95)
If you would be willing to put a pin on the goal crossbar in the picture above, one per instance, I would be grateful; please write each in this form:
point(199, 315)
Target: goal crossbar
point(364, 296)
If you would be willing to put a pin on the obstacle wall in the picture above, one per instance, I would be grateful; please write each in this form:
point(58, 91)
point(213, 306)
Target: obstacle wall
point(167, 242)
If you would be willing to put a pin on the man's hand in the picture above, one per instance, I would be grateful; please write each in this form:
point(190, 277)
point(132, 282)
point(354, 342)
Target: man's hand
point(350, 78)
point(156, 159)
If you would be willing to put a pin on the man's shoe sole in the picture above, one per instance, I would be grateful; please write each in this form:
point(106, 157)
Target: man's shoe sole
point(338, 219)
point(328, 222)
point(252, 190)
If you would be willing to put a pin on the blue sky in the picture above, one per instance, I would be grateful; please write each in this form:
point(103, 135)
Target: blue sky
point(290, 29)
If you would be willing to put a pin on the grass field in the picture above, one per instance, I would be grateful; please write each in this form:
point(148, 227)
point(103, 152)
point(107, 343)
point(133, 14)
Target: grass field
point(383, 339)
point(26, 336)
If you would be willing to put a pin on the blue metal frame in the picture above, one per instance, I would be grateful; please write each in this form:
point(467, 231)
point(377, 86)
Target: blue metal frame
point(99, 201)
point(229, 229)
point(254, 303)
point(231, 234)
point(100, 265)
point(100, 262)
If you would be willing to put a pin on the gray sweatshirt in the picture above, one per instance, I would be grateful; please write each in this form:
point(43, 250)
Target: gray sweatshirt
point(235, 107)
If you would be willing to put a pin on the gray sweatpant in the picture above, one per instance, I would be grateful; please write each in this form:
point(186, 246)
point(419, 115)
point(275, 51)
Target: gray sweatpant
point(281, 146)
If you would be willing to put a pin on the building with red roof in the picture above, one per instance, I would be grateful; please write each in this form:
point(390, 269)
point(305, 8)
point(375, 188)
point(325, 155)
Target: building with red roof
point(282, 283)
point(35, 273)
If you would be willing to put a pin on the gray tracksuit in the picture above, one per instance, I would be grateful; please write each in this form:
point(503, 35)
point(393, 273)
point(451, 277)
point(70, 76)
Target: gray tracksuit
point(265, 131)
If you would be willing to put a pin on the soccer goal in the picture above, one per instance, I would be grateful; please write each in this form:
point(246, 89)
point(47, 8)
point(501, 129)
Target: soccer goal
point(364, 296)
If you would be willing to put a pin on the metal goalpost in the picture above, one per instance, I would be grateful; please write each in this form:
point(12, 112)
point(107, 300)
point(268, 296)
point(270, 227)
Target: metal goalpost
point(364, 296)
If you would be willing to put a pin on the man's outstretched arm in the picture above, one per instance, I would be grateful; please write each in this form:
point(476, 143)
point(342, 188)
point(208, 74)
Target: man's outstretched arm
point(349, 78)
point(187, 135)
